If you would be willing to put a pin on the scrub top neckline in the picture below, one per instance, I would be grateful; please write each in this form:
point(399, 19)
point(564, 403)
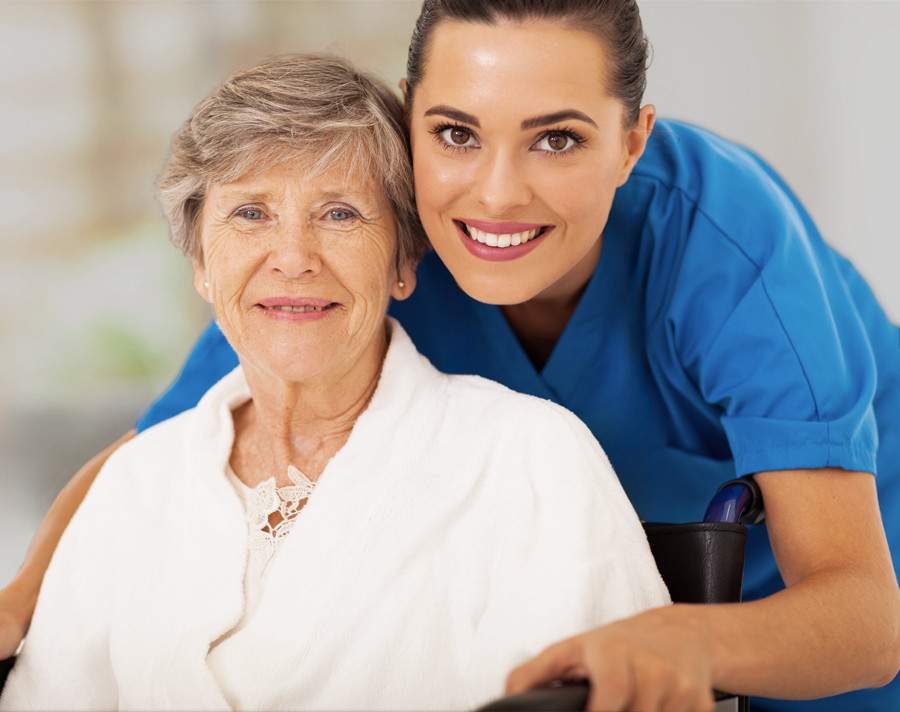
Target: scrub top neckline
point(554, 380)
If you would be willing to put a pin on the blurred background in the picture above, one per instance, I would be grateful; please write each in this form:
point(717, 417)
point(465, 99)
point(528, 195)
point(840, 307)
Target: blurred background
point(97, 310)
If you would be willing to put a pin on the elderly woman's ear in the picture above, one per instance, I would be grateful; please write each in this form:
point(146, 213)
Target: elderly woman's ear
point(405, 284)
point(201, 281)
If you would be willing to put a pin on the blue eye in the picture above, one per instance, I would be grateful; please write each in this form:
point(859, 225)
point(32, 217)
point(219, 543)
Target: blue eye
point(341, 214)
point(250, 213)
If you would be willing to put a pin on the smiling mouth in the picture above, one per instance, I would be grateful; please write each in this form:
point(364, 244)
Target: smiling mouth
point(298, 310)
point(503, 240)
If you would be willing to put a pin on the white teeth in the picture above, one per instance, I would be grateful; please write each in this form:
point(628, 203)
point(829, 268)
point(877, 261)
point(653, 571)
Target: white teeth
point(298, 310)
point(494, 240)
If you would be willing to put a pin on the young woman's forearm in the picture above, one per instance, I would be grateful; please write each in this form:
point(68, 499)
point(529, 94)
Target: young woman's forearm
point(833, 632)
point(835, 628)
point(19, 597)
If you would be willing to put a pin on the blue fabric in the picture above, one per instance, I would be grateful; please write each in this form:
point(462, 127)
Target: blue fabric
point(718, 336)
point(211, 358)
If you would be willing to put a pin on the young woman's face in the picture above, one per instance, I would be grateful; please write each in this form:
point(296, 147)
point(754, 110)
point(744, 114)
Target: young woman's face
point(517, 150)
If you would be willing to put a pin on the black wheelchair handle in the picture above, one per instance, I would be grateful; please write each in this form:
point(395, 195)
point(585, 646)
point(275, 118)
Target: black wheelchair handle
point(562, 697)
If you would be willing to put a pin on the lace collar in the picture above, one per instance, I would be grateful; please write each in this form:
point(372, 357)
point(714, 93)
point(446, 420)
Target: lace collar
point(271, 511)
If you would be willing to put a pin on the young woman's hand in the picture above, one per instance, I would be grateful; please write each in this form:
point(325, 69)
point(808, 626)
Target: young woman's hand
point(653, 662)
point(834, 628)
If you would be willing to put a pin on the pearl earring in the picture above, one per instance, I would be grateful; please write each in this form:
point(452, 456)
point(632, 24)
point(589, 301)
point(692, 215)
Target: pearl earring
point(206, 284)
point(401, 284)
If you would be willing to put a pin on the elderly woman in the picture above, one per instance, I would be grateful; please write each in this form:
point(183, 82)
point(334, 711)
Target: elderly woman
point(336, 524)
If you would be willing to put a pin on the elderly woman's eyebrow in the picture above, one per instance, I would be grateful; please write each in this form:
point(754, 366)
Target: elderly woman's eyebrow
point(557, 116)
point(363, 197)
point(252, 196)
point(455, 114)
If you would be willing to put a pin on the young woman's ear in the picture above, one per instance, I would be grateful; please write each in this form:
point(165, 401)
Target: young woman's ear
point(636, 141)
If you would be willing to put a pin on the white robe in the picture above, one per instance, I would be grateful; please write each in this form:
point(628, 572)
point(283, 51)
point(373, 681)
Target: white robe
point(462, 528)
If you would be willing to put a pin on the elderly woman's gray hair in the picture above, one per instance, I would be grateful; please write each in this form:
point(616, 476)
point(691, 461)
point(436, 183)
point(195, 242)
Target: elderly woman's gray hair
point(315, 108)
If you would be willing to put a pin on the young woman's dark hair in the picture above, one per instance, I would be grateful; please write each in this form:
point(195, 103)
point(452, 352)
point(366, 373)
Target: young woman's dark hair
point(616, 22)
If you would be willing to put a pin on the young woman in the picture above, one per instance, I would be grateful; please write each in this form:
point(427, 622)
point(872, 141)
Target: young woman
point(667, 287)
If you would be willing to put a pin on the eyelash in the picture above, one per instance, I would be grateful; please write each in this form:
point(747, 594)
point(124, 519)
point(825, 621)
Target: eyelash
point(578, 139)
point(440, 128)
point(352, 214)
point(247, 208)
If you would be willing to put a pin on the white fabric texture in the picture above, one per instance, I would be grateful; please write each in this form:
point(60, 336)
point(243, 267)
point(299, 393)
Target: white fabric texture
point(263, 539)
point(462, 528)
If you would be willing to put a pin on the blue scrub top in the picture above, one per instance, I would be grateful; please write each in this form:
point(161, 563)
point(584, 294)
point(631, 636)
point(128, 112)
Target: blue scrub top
point(718, 336)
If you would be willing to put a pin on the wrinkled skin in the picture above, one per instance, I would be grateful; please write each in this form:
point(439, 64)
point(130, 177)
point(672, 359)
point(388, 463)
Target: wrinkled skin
point(282, 233)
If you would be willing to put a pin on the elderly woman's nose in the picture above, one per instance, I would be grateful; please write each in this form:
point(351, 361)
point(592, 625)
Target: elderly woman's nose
point(296, 252)
point(501, 185)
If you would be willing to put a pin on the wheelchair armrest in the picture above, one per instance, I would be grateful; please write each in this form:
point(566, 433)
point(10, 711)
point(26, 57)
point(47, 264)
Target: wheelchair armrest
point(567, 697)
point(5, 667)
point(700, 563)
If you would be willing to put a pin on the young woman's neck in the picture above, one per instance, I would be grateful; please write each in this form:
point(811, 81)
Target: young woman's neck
point(539, 322)
point(303, 425)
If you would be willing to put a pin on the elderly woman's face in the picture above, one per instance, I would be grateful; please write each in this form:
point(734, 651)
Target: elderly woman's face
point(299, 269)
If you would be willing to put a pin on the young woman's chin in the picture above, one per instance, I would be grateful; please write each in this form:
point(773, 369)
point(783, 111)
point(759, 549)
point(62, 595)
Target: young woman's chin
point(499, 290)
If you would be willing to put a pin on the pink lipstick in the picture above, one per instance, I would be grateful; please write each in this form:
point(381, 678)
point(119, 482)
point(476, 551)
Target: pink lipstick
point(500, 241)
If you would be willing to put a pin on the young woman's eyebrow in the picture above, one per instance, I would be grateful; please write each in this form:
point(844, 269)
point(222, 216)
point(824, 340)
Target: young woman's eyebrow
point(557, 116)
point(455, 114)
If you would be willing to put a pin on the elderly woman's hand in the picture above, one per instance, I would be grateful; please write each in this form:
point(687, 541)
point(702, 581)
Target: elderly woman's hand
point(655, 661)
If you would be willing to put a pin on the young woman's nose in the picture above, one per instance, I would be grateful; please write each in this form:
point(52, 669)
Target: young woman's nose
point(502, 185)
point(296, 252)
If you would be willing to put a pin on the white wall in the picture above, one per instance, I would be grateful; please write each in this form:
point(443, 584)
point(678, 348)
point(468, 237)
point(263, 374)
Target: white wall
point(814, 88)
point(95, 308)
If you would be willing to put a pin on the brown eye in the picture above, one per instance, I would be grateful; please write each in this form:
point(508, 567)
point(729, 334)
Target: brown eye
point(459, 136)
point(456, 137)
point(557, 141)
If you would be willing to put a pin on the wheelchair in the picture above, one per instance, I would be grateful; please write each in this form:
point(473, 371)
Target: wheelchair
point(700, 563)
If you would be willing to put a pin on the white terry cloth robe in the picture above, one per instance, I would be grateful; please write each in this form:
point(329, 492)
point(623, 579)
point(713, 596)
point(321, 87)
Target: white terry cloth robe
point(461, 529)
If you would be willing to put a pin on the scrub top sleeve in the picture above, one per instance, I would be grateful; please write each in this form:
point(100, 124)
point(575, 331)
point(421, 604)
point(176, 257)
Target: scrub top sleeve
point(210, 360)
point(772, 339)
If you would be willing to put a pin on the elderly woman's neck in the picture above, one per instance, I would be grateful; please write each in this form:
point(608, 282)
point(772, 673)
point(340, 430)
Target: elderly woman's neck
point(303, 424)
